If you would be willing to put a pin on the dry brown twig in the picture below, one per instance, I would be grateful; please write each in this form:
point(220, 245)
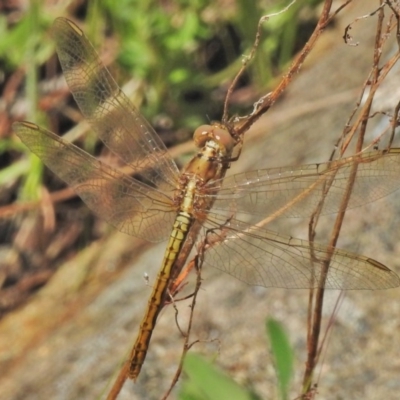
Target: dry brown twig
point(358, 126)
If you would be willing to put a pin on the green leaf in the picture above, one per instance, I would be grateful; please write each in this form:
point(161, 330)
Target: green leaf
point(282, 353)
point(206, 382)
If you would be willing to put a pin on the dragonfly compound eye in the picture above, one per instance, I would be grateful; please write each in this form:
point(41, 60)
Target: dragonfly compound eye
point(215, 133)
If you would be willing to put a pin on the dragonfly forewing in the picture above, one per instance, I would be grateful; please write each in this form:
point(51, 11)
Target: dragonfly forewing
point(260, 257)
point(129, 205)
point(110, 113)
point(297, 191)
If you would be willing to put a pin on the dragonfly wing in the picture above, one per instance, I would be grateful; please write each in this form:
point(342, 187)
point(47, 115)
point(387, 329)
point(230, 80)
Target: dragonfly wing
point(297, 192)
point(264, 258)
point(127, 204)
point(111, 114)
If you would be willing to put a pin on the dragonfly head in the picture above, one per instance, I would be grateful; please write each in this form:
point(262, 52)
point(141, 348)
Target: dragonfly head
point(216, 133)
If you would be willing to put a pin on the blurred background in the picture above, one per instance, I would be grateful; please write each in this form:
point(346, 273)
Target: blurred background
point(72, 288)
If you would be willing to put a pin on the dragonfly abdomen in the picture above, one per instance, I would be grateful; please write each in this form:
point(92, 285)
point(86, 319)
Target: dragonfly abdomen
point(180, 230)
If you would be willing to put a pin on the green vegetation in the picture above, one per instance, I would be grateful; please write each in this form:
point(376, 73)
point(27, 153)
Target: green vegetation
point(204, 381)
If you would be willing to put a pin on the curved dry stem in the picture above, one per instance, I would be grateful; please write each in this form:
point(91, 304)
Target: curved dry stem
point(359, 126)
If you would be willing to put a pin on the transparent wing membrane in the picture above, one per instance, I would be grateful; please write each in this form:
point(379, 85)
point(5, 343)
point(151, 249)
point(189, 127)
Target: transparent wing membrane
point(127, 204)
point(111, 114)
point(261, 257)
point(297, 191)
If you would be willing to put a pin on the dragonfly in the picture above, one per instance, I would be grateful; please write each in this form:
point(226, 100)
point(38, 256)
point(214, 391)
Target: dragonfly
point(158, 203)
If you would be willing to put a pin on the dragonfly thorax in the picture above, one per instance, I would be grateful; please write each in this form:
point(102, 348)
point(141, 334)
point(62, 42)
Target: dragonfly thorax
point(215, 144)
point(208, 162)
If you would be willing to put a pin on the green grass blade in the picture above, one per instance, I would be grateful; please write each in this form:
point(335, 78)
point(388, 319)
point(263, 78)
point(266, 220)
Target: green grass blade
point(206, 382)
point(283, 355)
